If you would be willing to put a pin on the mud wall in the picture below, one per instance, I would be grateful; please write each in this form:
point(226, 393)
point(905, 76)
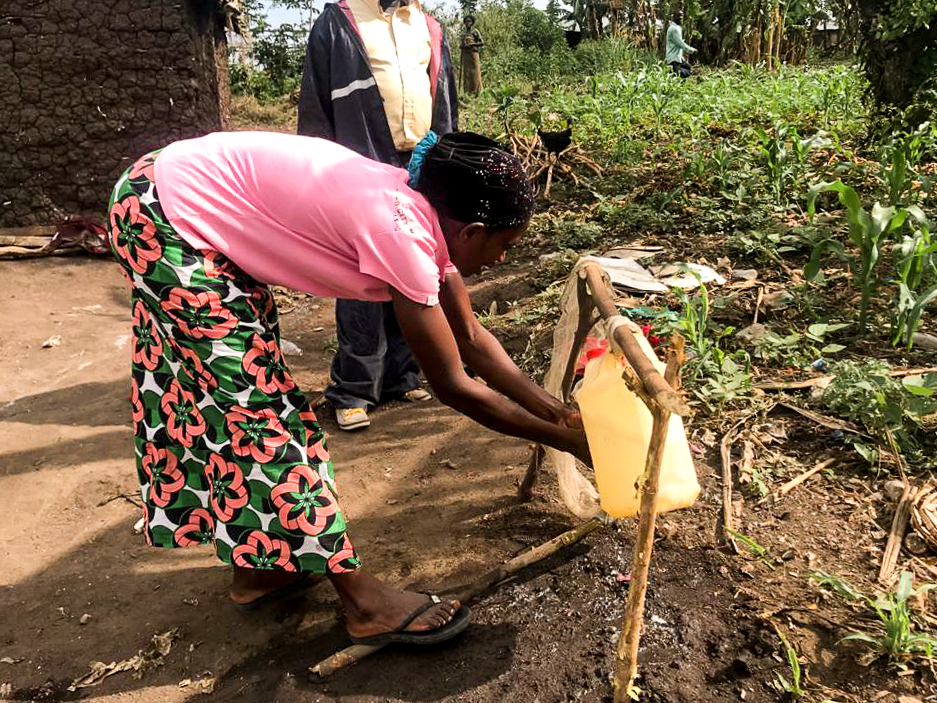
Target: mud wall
point(86, 86)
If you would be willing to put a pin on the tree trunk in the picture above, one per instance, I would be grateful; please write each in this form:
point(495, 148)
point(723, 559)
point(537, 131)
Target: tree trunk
point(897, 69)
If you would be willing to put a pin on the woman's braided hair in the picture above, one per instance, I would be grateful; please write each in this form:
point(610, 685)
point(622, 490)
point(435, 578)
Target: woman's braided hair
point(470, 178)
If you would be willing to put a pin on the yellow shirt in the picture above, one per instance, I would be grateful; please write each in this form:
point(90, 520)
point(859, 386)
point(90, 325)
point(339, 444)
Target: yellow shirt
point(398, 47)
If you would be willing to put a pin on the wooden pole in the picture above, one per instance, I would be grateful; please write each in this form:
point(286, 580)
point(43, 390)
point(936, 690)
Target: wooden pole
point(525, 491)
point(584, 323)
point(630, 640)
point(646, 381)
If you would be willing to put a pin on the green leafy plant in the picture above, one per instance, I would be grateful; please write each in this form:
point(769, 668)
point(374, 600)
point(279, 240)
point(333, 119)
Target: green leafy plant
point(895, 637)
point(505, 96)
point(718, 376)
point(753, 546)
point(838, 585)
point(907, 408)
point(901, 155)
point(867, 232)
point(916, 264)
point(793, 687)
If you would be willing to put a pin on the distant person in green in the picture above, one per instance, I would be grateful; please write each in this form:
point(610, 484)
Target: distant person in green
point(676, 46)
point(471, 72)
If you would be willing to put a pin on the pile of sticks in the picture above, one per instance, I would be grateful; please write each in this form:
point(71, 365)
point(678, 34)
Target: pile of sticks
point(25, 241)
point(539, 162)
point(72, 235)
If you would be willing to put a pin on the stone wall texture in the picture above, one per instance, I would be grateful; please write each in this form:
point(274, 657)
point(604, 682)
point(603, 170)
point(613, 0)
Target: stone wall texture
point(86, 86)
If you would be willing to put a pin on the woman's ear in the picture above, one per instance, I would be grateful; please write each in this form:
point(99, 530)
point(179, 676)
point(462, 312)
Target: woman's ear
point(468, 232)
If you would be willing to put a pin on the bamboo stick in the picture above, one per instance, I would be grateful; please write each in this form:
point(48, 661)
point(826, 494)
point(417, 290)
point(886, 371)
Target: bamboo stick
point(44, 231)
point(585, 323)
point(630, 640)
point(356, 653)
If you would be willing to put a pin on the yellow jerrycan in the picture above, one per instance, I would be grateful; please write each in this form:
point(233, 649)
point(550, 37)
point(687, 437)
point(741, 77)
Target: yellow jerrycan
point(618, 428)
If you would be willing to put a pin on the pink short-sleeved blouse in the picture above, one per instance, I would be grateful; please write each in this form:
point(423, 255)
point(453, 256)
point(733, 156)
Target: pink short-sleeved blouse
point(304, 213)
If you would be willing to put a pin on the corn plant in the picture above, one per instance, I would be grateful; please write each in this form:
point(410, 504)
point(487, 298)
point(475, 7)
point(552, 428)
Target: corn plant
point(792, 687)
point(901, 155)
point(719, 375)
point(867, 231)
point(773, 149)
point(785, 164)
point(896, 638)
point(915, 263)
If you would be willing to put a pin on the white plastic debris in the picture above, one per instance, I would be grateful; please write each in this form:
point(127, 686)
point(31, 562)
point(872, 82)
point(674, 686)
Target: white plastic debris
point(289, 348)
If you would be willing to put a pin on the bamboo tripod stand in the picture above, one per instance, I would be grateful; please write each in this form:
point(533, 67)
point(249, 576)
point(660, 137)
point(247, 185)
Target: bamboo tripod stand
point(660, 394)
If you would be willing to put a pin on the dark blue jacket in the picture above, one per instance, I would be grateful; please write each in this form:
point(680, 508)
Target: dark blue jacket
point(339, 98)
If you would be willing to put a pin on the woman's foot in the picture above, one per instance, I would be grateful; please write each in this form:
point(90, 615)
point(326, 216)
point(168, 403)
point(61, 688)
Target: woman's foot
point(374, 608)
point(250, 585)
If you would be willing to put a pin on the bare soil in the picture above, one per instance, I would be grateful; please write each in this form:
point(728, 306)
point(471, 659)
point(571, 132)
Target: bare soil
point(77, 585)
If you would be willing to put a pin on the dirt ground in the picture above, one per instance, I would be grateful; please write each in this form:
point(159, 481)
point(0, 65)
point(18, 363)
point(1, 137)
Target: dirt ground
point(77, 585)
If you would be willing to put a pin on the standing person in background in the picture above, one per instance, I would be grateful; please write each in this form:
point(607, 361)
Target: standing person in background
point(377, 77)
point(676, 46)
point(471, 67)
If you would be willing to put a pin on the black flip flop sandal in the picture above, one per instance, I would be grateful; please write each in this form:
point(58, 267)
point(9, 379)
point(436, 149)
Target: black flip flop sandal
point(460, 620)
point(305, 581)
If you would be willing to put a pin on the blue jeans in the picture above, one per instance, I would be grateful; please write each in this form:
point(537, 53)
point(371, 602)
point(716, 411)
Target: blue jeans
point(373, 363)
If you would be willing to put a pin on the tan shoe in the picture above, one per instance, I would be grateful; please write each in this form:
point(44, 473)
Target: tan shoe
point(352, 418)
point(416, 395)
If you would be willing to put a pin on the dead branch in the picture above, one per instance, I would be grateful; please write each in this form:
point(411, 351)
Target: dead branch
point(899, 524)
point(825, 420)
point(725, 452)
point(797, 480)
point(821, 380)
point(356, 653)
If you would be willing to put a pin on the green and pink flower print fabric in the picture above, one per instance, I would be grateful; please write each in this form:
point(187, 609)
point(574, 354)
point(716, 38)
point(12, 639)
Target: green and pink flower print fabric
point(228, 451)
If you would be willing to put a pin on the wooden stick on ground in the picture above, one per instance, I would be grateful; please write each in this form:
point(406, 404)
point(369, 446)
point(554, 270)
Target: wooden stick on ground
point(725, 453)
point(546, 189)
point(630, 640)
point(820, 380)
point(797, 480)
point(899, 524)
point(761, 295)
point(357, 652)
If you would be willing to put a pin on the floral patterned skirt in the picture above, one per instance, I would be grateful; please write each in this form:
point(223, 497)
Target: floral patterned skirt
point(228, 450)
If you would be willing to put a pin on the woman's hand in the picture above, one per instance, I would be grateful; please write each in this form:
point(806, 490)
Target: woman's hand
point(569, 417)
point(580, 448)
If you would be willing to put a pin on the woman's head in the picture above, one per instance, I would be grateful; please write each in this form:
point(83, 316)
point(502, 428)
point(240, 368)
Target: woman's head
point(469, 21)
point(480, 191)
